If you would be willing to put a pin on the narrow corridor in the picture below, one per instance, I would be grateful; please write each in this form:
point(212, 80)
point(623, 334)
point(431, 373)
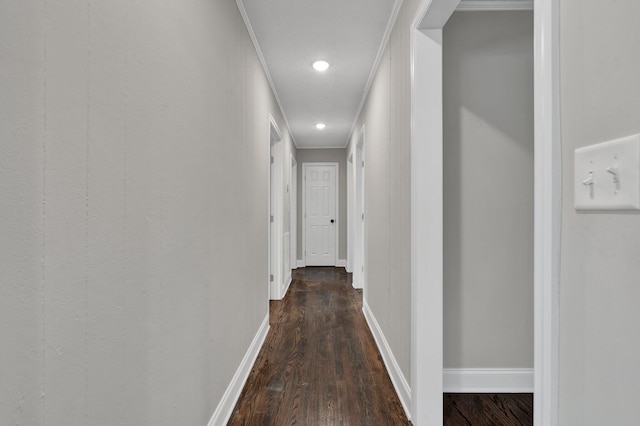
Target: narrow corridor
point(319, 364)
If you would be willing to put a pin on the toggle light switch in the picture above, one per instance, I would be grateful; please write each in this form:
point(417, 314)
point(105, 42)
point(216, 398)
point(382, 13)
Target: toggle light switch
point(615, 171)
point(607, 175)
point(588, 182)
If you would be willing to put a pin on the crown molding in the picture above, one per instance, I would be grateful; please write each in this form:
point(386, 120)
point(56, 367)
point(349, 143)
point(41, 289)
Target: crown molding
point(374, 68)
point(256, 44)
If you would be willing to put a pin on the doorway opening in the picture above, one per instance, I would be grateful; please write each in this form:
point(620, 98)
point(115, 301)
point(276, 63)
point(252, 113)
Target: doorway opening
point(350, 213)
point(276, 249)
point(356, 213)
point(359, 215)
point(293, 214)
point(488, 150)
point(427, 207)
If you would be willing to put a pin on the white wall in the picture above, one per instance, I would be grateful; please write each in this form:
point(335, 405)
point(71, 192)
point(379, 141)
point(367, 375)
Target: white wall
point(21, 219)
point(600, 285)
point(387, 118)
point(134, 155)
point(331, 155)
point(488, 190)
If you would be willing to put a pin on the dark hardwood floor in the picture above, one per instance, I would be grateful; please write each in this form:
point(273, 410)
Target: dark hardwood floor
point(488, 409)
point(320, 366)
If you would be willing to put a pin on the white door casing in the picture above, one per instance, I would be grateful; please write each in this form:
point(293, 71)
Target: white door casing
point(350, 213)
point(293, 214)
point(355, 212)
point(276, 243)
point(320, 213)
point(426, 178)
point(360, 217)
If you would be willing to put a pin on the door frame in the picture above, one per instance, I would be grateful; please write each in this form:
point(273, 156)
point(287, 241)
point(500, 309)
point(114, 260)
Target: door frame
point(293, 213)
point(360, 258)
point(350, 213)
point(426, 202)
point(304, 208)
point(275, 239)
point(356, 243)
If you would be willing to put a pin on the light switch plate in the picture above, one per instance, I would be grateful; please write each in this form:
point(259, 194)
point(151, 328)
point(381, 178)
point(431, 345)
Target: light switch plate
point(607, 176)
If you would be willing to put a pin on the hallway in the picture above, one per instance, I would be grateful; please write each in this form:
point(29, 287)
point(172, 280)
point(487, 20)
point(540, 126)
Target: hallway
point(319, 364)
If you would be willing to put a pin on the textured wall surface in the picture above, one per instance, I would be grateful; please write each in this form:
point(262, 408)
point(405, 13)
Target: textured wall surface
point(134, 161)
point(386, 117)
point(600, 284)
point(21, 206)
point(334, 155)
point(488, 190)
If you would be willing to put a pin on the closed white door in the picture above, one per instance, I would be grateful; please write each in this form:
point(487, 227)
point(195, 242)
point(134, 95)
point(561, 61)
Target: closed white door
point(320, 210)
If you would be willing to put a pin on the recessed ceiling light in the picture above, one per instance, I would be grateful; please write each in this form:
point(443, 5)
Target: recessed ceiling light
point(321, 66)
point(320, 126)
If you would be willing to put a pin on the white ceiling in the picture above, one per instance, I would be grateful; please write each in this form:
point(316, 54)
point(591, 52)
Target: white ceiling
point(292, 34)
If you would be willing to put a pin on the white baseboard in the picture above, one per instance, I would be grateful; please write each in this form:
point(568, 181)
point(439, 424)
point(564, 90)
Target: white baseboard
point(397, 378)
point(488, 380)
point(283, 290)
point(356, 285)
point(230, 398)
point(340, 263)
point(287, 284)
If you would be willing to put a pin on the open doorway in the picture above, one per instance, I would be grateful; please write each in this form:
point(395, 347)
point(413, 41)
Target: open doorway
point(293, 214)
point(351, 193)
point(356, 216)
point(359, 215)
point(427, 207)
point(488, 156)
point(275, 212)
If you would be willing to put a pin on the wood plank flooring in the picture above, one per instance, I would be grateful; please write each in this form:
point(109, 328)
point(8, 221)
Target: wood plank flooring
point(488, 409)
point(319, 364)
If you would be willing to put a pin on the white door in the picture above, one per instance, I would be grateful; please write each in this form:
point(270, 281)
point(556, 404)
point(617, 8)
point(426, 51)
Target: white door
point(320, 210)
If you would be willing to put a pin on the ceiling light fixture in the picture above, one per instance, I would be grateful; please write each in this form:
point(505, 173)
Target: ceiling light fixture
point(320, 126)
point(321, 66)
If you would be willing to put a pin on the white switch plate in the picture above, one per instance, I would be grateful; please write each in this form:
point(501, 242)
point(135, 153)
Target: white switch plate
point(596, 168)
